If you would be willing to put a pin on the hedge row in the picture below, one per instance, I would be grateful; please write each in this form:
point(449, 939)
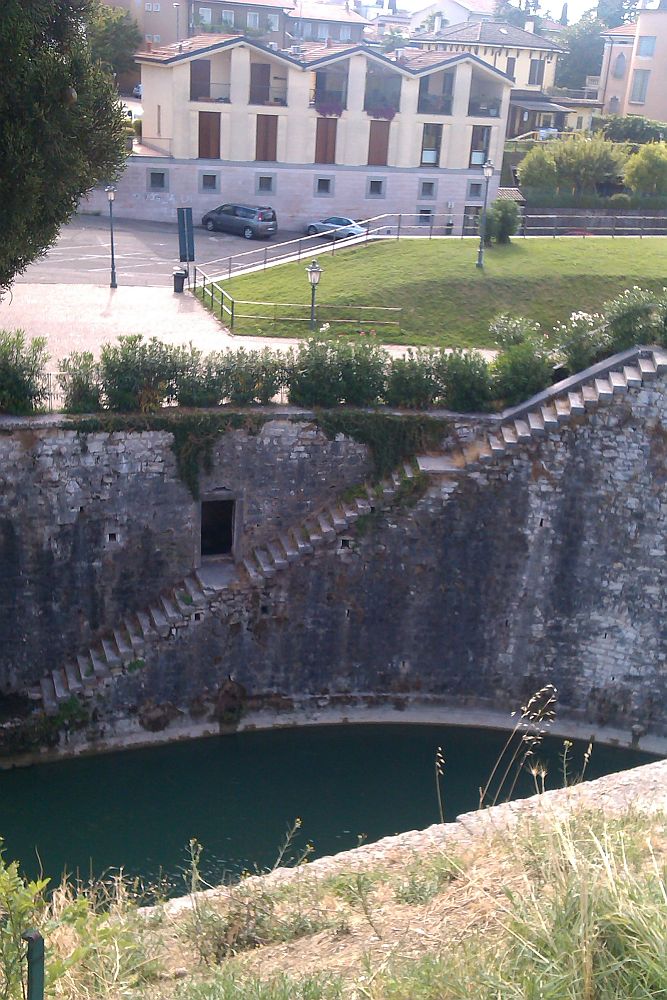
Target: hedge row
point(138, 375)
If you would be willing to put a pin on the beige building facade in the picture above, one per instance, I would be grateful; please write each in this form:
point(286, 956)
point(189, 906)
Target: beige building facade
point(333, 130)
point(633, 79)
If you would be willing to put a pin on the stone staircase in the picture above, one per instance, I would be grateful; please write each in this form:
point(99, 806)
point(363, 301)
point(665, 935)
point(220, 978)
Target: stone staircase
point(122, 649)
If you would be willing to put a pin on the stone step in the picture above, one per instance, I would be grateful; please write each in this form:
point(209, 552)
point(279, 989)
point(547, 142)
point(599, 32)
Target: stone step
point(159, 620)
point(576, 401)
point(171, 612)
point(562, 408)
point(659, 359)
point(590, 396)
point(604, 389)
point(618, 381)
point(496, 445)
point(508, 436)
point(647, 368)
point(277, 556)
point(264, 562)
point(111, 652)
point(549, 417)
point(522, 429)
point(74, 682)
point(100, 666)
point(289, 548)
point(438, 464)
point(195, 590)
point(60, 685)
point(124, 645)
point(325, 526)
point(633, 376)
point(387, 489)
point(313, 534)
point(408, 470)
point(253, 571)
point(477, 451)
point(134, 634)
point(182, 602)
point(351, 513)
point(48, 693)
point(86, 670)
point(338, 519)
point(303, 546)
point(145, 625)
point(536, 423)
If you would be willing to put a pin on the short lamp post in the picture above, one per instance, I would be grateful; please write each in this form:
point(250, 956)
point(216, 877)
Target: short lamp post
point(488, 174)
point(314, 272)
point(111, 194)
point(178, 33)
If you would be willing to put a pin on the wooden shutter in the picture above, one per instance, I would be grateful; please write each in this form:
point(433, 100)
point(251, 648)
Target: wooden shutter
point(378, 144)
point(209, 135)
point(267, 138)
point(200, 79)
point(325, 140)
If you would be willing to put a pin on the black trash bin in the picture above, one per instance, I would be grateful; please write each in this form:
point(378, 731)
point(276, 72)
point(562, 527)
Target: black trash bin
point(180, 274)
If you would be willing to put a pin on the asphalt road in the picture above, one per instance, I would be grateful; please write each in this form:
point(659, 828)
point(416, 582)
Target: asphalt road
point(146, 252)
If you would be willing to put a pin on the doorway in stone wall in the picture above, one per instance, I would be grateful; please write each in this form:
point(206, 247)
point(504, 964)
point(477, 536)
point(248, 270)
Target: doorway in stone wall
point(217, 527)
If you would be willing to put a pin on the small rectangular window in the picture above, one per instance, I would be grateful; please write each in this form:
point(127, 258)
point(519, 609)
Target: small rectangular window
point(639, 86)
point(265, 184)
point(324, 185)
point(431, 142)
point(646, 45)
point(273, 22)
point(580, 122)
point(252, 19)
point(474, 190)
point(148, 6)
point(427, 189)
point(149, 38)
point(425, 216)
point(322, 30)
point(227, 16)
point(511, 66)
point(156, 38)
point(345, 32)
point(205, 15)
point(157, 180)
point(159, 119)
point(156, 8)
point(209, 182)
point(375, 188)
point(536, 74)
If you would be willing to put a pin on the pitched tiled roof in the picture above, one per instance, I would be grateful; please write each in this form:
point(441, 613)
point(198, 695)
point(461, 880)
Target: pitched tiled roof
point(189, 46)
point(622, 29)
point(309, 11)
point(490, 33)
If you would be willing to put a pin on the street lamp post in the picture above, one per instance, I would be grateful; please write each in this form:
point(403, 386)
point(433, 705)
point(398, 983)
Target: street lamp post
point(178, 34)
point(314, 272)
point(488, 174)
point(111, 194)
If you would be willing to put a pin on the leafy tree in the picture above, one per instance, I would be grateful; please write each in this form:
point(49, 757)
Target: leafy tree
point(574, 165)
point(114, 37)
point(61, 125)
point(537, 170)
point(393, 40)
point(585, 46)
point(503, 221)
point(612, 13)
point(646, 172)
point(632, 128)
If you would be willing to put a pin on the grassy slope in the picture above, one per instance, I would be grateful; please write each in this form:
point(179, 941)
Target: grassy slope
point(446, 300)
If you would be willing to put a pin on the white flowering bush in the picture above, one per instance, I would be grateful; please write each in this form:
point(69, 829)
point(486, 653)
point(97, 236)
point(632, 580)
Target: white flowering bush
point(509, 330)
point(582, 341)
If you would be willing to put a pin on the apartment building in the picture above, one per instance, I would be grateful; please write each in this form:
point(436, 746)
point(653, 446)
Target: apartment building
point(320, 129)
point(633, 79)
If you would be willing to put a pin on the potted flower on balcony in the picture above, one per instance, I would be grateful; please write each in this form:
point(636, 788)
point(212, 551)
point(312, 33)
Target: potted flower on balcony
point(329, 109)
point(386, 111)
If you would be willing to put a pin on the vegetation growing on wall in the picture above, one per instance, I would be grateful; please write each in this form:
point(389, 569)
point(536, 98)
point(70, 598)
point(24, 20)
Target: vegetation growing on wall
point(391, 439)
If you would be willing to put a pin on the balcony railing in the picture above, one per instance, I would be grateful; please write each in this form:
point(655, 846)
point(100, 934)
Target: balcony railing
point(434, 104)
point(213, 92)
point(483, 108)
point(276, 96)
point(321, 98)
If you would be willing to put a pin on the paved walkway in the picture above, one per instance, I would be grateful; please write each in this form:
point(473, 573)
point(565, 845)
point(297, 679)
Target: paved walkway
point(84, 317)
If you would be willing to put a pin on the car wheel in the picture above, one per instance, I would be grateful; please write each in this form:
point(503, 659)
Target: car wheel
point(248, 233)
point(210, 225)
point(312, 230)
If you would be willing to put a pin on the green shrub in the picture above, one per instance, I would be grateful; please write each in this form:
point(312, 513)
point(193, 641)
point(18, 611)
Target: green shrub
point(411, 381)
point(582, 341)
point(362, 373)
point(22, 375)
point(138, 374)
point(508, 330)
point(200, 380)
point(314, 375)
point(520, 372)
point(79, 379)
point(255, 376)
point(502, 221)
point(634, 317)
point(621, 200)
point(465, 381)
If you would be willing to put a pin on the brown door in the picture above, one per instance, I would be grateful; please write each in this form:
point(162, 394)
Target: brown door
point(267, 135)
point(260, 83)
point(378, 144)
point(200, 80)
point(209, 135)
point(325, 140)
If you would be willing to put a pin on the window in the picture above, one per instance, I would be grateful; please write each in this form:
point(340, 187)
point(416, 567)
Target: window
point(273, 22)
point(479, 147)
point(471, 215)
point(536, 75)
point(252, 19)
point(345, 32)
point(323, 30)
point(511, 66)
point(324, 185)
point(580, 121)
point(425, 217)
point(227, 16)
point(205, 15)
point(157, 180)
point(431, 143)
point(156, 38)
point(266, 183)
point(619, 66)
point(209, 182)
point(639, 86)
point(159, 119)
point(474, 189)
point(156, 8)
point(427, 189)
point(149, 38)
point(148, 6)
point(646, 45)
point(375, 187)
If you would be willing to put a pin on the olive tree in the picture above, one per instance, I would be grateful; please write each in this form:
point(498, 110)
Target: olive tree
point(61, 125)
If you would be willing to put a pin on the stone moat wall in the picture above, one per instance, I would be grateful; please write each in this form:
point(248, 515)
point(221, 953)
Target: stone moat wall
point(548, 565)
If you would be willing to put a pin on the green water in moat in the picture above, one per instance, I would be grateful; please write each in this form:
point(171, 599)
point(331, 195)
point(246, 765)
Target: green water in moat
point(237, 795)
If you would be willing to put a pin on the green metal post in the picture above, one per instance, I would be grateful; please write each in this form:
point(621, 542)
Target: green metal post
point(35, 965)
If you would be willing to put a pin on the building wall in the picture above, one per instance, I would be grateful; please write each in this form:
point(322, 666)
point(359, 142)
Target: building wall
point(650, 23)
point(159, 21)
point(498, 58)
point(615, 74)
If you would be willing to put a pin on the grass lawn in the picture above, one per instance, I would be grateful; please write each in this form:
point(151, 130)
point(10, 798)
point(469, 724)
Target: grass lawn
point(447, 301)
